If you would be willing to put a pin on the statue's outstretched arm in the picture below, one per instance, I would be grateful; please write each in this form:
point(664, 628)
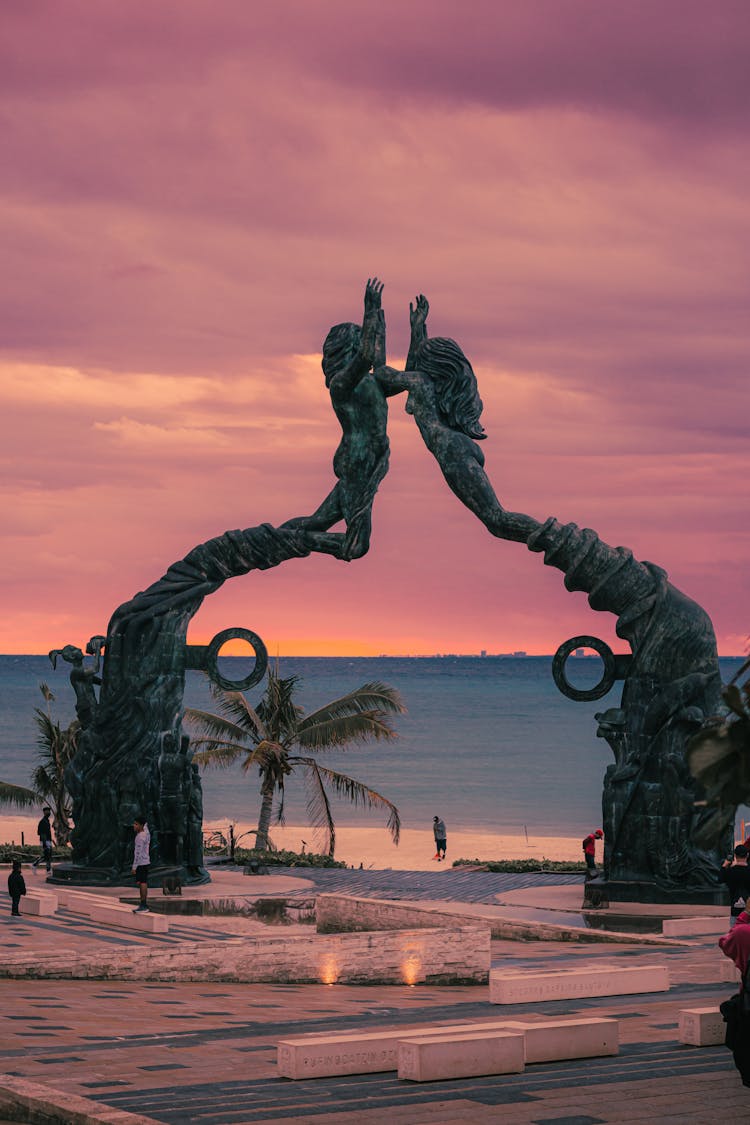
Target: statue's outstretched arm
point(345, 382)
point(418, 320)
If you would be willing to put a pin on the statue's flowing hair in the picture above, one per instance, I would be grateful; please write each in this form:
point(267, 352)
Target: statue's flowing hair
point(340, 343)
point(456, 390)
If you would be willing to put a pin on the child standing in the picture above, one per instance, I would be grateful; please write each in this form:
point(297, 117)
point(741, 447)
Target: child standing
point(16, 886)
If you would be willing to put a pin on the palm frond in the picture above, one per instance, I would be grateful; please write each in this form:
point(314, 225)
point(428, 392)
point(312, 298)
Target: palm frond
point(324, 733)
point(356, 792)
point(319, 807)
point(375, 697)
point(237, 708)
point(217, 754)
point(214, 728)
point(17, 795)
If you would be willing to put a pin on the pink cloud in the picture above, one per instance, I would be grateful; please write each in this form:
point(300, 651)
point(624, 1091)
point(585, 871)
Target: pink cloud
point(189, 202)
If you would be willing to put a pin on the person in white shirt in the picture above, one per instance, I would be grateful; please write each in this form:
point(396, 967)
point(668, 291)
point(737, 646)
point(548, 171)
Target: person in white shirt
point(141, 861)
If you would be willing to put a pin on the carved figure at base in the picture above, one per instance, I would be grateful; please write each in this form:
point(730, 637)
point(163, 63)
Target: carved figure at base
point(194, 856)
point(174, 790)
point(361, 460)
point(444, 399)
point(82, 679)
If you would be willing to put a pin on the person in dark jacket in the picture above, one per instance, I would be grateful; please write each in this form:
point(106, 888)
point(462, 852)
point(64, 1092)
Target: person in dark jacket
point(44, 832)
point(16, 886)
point(736, 874)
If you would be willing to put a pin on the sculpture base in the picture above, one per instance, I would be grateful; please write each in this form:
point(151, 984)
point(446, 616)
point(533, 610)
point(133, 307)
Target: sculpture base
point(78, 875)
point(623, 890)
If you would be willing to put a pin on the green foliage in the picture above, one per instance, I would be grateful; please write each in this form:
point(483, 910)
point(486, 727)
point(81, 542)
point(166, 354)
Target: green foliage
point(542, 864)
point(28, 852)
point(285, 859)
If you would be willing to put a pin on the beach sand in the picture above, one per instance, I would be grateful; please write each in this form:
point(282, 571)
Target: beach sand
point(372, 846)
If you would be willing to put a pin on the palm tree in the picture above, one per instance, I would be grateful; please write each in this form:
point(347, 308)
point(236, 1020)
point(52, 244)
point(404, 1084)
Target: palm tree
point(57, 746)
point(265, 737)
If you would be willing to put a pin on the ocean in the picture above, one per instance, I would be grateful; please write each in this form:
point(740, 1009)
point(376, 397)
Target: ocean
point(488, 743)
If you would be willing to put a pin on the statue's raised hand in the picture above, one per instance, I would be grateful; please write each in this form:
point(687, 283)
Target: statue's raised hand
point(373, 290)
point(418, 312)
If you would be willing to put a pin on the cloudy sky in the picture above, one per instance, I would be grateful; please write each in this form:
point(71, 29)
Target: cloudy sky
point(192, 193)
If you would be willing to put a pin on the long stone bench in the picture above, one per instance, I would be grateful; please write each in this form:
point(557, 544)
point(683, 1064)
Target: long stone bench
point(468, 1055)
point(701, 1027)
point(556, 1040)
point(102, 909)
point(695, 927)
point(368, 1052)
point(570, 984)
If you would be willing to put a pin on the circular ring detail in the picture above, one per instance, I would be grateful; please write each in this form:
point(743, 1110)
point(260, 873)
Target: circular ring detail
point(261, 659)
point(559, 660)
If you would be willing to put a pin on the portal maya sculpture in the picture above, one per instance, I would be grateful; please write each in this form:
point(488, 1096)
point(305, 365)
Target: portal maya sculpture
point(660, 839)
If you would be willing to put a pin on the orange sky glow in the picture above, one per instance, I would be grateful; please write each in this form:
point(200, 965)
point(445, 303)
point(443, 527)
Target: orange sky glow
point(192, 195)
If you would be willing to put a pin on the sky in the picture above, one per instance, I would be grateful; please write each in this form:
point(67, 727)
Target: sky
point(191, 194)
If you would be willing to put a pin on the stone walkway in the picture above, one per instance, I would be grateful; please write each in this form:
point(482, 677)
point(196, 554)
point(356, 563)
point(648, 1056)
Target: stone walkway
point(205, 1054)
point(196, 1054)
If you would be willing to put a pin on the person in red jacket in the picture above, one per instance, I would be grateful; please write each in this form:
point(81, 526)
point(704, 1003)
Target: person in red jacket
point(589, 852)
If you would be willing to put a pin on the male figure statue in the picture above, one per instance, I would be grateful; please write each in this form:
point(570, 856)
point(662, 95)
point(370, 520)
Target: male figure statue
point(361, 460)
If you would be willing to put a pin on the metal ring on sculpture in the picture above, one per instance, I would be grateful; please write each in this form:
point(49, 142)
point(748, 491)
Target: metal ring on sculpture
point(212, 654)
point(609, 674)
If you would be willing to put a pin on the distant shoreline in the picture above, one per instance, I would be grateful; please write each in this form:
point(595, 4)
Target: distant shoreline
point(372, 846)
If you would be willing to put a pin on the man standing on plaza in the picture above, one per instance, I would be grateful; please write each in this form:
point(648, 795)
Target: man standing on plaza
point(589, 852)
point(736, 874)
point(438, 828)
point(141, 861)
point(44, 832)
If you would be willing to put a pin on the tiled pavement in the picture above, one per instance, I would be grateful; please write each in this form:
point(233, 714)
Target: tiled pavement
point(453, 885)
point(201, 1054)
point(194, 1053)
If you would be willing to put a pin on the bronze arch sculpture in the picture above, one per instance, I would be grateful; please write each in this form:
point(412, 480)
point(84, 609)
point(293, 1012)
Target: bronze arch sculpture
point(660, 842)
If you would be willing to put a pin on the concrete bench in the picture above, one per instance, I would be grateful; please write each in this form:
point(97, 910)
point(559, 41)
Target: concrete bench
point(102, 909)
point(555, 1040)
point(38, 903)
point(701, 1027)
point(695, 927)
point(727, 971)
point(431, 1058)
point(570, 984)
point(369, 1052)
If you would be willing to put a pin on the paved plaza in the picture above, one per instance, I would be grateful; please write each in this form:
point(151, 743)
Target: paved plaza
point(206, 1053)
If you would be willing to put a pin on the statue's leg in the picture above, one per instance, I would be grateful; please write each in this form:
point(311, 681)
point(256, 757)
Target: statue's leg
point(323, 517)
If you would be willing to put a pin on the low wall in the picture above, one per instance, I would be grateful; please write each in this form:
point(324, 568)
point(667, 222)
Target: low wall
point(459, 955)
point(24, 1101)
point(341, 913)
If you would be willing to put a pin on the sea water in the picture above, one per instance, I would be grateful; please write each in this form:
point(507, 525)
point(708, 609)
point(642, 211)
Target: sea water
point(487, 743)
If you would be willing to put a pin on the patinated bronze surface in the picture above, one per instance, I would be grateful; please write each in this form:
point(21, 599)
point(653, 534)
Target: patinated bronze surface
point(660, 842)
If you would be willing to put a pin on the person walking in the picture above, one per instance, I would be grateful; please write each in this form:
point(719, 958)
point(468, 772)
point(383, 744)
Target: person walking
point(16, 886)
point(735, 873)
point(438, 829)
point(141, 862)
point(589, 852)
point(44, 832)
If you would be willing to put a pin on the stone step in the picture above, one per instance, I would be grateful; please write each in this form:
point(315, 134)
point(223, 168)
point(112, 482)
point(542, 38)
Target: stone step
point(701, 1027)
point(100, 908)
point(468, 1055)
point(369, 1052)
point(529, 987)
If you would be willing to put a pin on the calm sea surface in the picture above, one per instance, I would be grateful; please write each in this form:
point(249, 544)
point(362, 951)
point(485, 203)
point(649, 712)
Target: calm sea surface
point(488, 743)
